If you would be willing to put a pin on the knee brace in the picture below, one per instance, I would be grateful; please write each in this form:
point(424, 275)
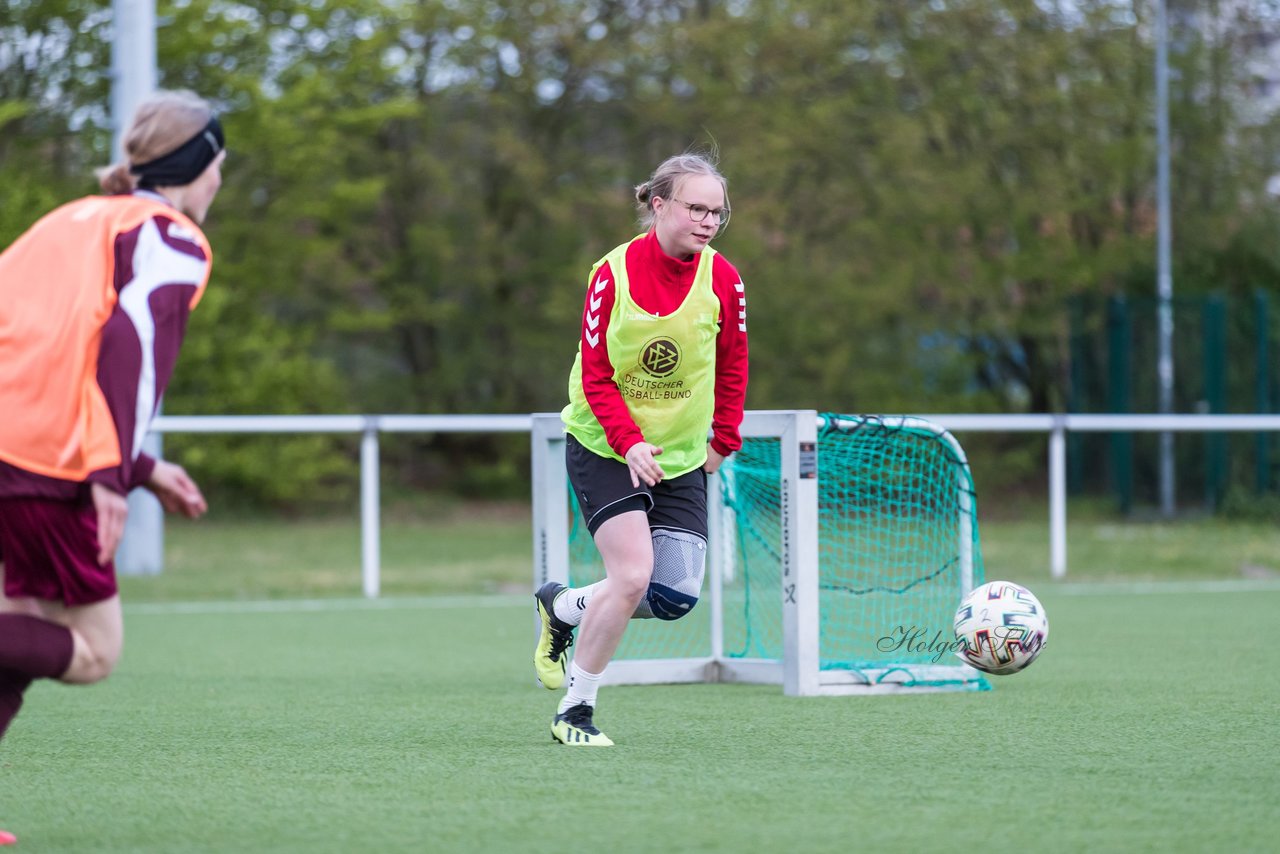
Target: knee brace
point(679, 562)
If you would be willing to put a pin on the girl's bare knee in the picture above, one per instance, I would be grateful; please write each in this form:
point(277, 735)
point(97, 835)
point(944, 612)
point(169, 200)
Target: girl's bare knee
point(87, 664)
point(87, 674)
point(631, 586)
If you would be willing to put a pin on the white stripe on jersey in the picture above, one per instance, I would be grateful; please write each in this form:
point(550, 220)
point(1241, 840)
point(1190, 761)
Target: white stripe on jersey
point(155, 264)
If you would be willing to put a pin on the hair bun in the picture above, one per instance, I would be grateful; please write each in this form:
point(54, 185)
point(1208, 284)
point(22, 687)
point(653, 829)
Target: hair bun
point(115, 179)
point(642, 192)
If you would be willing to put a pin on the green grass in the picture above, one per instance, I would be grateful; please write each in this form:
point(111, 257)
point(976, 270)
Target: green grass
point(1147, 724)
point(1104, 549)
point(473, 549)
point(412, 724)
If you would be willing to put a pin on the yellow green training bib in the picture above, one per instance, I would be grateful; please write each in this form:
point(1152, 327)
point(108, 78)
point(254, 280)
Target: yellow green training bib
point(664, 367)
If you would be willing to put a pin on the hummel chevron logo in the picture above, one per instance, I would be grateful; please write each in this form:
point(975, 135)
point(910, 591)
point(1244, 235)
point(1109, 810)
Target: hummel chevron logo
point(593, 319)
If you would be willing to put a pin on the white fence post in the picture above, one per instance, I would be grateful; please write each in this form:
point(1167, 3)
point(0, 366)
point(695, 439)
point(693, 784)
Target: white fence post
point(1058, 499)
point(370, 517)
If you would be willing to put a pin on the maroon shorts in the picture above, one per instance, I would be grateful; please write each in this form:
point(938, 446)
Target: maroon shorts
point(50, 551)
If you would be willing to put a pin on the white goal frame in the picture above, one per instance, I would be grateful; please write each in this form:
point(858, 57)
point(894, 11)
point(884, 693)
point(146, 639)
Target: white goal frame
point(798, 672)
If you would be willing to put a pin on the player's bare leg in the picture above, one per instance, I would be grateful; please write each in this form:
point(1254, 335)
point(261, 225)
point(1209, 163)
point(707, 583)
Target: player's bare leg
point(98, 631)
point(626, 548)
point(40, 639)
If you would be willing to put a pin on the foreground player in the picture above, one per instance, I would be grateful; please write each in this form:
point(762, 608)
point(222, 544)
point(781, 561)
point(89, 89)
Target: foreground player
point(662, 359)
point(94, 300)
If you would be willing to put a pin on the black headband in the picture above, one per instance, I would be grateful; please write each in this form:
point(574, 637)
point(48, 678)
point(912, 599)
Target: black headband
point(185, 163)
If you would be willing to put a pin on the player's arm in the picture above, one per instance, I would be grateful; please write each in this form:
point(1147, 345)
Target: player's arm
point(731, 364)
point(602, 392)
point(139, 346)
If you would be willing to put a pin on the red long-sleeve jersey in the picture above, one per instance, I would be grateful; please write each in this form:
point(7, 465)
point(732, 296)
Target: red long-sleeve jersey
point(659, 284)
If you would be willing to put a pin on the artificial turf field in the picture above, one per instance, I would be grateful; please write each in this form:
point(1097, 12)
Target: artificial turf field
point(1150, 723)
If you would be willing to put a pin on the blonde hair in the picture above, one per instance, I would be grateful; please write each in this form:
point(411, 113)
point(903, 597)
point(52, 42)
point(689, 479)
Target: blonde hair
point(161, 124)
point(668, 177)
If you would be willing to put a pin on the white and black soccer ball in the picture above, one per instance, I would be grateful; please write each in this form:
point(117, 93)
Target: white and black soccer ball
point(1000, 628)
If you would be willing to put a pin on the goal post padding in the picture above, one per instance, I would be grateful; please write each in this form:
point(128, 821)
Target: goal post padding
point(840, 546)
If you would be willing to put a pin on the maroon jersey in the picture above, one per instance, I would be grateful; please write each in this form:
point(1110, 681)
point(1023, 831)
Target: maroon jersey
point(158, 269)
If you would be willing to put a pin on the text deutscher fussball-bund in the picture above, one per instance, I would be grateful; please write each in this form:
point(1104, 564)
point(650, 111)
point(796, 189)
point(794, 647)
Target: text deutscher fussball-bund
point(639, 388)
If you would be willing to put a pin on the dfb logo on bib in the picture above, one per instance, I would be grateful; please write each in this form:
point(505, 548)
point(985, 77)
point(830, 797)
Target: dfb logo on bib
point(660, 357)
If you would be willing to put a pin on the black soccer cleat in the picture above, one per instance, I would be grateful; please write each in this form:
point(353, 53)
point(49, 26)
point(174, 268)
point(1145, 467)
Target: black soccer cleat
point(574, 728)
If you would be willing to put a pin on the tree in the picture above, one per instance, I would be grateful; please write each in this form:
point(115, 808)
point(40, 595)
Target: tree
point(415, 191)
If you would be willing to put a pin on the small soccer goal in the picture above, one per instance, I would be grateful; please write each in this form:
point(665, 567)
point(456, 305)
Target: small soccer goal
point(839, 548)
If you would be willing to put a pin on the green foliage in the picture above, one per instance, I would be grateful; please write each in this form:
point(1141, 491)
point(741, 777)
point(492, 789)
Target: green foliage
point(415, 191)
point(1247, 505)
point(53, 96)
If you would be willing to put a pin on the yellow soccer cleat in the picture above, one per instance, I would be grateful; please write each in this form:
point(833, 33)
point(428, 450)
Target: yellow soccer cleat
point(574, 728)
point(556, 637)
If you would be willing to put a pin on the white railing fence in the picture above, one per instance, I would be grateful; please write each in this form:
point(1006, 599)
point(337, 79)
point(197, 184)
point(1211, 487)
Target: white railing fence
point(370, 427)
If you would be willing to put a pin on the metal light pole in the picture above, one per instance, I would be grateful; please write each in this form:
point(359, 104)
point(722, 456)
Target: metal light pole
point(133, 78)
point(1164, 276)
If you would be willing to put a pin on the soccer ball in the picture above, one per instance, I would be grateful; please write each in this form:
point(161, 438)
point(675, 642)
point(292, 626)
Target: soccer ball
point(1000, 628)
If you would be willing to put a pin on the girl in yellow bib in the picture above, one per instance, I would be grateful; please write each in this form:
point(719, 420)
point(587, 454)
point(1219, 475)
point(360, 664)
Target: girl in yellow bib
point(661, 365)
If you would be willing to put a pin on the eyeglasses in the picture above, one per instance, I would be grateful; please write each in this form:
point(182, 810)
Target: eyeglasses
point(698, 213)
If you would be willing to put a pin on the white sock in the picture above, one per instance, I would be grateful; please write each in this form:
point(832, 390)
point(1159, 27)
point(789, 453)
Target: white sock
point(582, 688)
point(572, 603)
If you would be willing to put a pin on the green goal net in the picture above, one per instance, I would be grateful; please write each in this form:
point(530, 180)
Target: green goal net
point(897, 547)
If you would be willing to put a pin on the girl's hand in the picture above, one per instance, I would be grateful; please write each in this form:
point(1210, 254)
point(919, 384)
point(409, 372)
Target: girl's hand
point(176, 490)
point(640, 459)
point(112, 509)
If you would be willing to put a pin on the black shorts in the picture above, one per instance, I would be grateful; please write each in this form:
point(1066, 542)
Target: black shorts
point(603, 488)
